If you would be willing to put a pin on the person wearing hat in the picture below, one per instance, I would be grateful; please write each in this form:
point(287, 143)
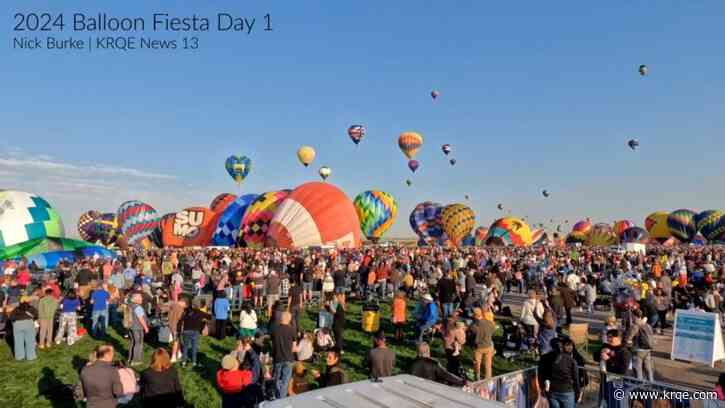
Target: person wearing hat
point(23, 318)
point(482, 330)
point(428, 316)
point(232, 381)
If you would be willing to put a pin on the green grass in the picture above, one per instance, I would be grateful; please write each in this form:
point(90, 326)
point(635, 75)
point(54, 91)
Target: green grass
point(39, 383)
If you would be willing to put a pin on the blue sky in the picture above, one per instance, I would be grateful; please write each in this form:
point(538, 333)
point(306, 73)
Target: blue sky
point(533, 95)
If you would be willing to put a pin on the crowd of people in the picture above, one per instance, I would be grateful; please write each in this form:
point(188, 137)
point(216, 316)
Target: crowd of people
point(178, 296)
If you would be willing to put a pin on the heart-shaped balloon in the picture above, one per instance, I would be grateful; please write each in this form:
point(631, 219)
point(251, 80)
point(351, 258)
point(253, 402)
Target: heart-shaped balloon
point(238, 167)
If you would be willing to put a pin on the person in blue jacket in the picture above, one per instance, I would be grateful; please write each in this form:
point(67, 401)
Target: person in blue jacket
point(221, 314)
point(428, 316)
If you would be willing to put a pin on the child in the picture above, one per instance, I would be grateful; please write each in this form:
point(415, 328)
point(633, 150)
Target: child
point(247, 321)
point(298, 384)
point(399, 314)
point(306, 347)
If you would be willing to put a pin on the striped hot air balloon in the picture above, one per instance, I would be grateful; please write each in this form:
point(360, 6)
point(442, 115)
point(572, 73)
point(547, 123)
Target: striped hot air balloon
point(376, 211)
point(136, 220)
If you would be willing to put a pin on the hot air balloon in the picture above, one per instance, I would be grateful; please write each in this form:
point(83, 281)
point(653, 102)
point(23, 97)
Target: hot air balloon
point(376, 211)
point(643, 70)
point(621, 225)
point(635, 235)
point(480, 235)
point(258, 216)
point(580, 231)
point(306, 155)
point(633, 144)
point(539, 237)
point(325, 172)
point(500, 206)
point(315, 214)
point(467, 197)
point(105, 228)
point(656, 226)
point(509, 231)
point(136, 221)
point(157, 237)
point(458, 221)
point(238, 167)
point(434, 94)
point(85, 225)
point(601, 234)
point(408, 182)
point(409, 143)
point(193, 226)
point(26, 217)
point(681, 224)
point(452, 161)
point(425, 220)
point(545, 193)
point(446, 149)
point(221, 202)
point(413, 165)
point(711, 224)
point(228, 227)
point(356, 133)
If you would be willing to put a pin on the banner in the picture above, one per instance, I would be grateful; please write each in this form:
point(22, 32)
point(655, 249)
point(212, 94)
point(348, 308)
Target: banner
point(697, 337)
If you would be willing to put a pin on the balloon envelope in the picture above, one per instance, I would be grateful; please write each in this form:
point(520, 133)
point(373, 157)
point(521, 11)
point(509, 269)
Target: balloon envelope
point(425, 220)
point(306, 155)
point(325, 172)
point(238, 167)
point(480, 235)
point(85, 225)
point(711, 224)
point(413, 165)
point(621, 226)
point(601, 234)
point(458, 221)
point(356, 133)
point(635, 235)
point(376, 211)
point(221, 202)
point(509, 231)
point(190, 227)
point(25, 217)
point(409, 143)
point(681, 224)
point(228, 229)
point(315, 214)
point(656, 226)
point(136, 220)
point(255, 224)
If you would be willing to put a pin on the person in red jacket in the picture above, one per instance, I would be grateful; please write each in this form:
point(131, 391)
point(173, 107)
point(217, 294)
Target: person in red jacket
point(232, 381)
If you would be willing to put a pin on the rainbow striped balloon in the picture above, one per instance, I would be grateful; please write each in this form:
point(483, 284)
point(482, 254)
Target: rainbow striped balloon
point(137, 220)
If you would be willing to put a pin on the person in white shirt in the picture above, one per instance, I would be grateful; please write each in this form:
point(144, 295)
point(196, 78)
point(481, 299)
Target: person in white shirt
point(247, 321)
point(531, 312)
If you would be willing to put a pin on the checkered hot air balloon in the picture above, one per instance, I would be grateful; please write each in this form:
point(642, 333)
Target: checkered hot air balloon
point(25, 217)
point(238, 167)
point(458, 221)
point(86, 225)
point(258, 216)
point(228, 230)
point(136, 221)
point(376, 211)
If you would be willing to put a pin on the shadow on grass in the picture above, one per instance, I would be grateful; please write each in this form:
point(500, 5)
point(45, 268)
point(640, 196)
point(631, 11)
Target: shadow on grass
point(50, 387)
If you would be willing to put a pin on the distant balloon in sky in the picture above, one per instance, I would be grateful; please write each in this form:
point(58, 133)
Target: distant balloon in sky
point(633, 144)
point(468, 197)
point(238, 167)
point(325, 172)
point(413, 165)
point(409, 143)
point(643, 70)
point(408, 182)
point(452, 161)
point(500, 206)
point(306, 155)
point(446, 148)
point(356, 133)
point(545, 193)
point(434, 94)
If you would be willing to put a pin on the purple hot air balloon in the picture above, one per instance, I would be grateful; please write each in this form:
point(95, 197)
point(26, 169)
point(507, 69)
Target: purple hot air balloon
point(413, 165)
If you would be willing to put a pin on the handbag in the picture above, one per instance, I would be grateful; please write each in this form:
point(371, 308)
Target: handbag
point(205, 330)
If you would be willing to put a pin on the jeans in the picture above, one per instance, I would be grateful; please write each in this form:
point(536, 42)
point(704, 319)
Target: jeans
point(447, 310)
point(282, 374)
point(562, 400)
point(135, 348)
point(24, 336)
point(190, 343)
point(100, 322)
point(643, 360)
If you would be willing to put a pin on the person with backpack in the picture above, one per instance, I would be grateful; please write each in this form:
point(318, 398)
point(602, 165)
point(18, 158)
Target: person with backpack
point(641, 338)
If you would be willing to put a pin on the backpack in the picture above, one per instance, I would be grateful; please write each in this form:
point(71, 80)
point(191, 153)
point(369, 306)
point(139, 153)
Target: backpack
point(128, 381)
point(645, 338)
point(127, 316)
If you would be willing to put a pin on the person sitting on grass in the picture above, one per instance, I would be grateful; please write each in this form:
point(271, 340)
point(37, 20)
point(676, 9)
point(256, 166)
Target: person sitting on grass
point(298, 384)
point(232, 381)
point(426, 367)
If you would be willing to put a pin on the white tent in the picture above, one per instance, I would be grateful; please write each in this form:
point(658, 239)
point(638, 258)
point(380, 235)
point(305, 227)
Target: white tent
point(402, 391)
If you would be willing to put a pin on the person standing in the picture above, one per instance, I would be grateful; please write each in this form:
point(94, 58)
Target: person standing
point(69, 306)
point(447, 294)
point(641, 338)
point(221, 315)
point(294, 304)
point(139, 327)
point(23, 318)
point(99, 314)
point(381, 359)
point(338, 321)
point(559, 377)
point(47, 306)
point(283, 348)
point(192, 325)
point(483, 340)
point(399, 314)
point(454, 341)
point(101, 381)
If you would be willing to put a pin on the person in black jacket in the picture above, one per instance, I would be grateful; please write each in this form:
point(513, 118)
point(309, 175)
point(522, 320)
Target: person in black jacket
point(24, 333)
point(334, 375)
point(558, 375)
point(426, 367)
point(192, 325)
point(160, 385)
point(338, 321)
point(614, 358)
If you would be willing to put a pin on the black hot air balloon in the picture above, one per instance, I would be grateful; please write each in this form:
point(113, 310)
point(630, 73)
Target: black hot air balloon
point(633, 144)
point(643, 70)
point(452, 161)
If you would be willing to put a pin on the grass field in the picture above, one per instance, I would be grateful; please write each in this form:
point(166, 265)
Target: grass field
point(40, 383)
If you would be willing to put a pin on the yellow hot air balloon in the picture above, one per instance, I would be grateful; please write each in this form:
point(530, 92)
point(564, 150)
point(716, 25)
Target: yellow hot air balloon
point(409, 143)
point(306, 155)
point(458, 221)
point(656, 226)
